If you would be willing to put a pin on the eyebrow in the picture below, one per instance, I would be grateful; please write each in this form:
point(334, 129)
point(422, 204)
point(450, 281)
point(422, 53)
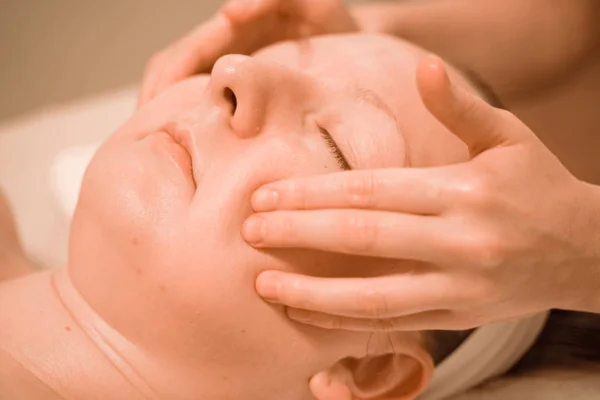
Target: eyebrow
point(372, 98)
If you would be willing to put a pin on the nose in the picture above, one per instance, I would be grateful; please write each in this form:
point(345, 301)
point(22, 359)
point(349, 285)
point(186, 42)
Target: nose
point(251, 92)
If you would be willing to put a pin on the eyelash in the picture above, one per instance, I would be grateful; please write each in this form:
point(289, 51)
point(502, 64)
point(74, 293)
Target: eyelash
point(342, 162)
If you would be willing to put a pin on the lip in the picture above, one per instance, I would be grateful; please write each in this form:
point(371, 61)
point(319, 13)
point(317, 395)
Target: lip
point(177, 143)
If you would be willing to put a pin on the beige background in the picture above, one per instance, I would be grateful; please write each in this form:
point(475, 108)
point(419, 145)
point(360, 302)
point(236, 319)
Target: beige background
point(58, 50)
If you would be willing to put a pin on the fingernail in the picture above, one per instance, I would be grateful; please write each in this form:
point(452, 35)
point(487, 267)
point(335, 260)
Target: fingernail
point(265, 199)
point(253, 229)
point(267, 287)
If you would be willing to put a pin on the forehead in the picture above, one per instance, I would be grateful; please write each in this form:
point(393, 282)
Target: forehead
point(348, 53)
point(374, 62)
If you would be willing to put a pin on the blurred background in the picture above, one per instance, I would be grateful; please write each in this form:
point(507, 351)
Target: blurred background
point(58, 50)
point(54, 51)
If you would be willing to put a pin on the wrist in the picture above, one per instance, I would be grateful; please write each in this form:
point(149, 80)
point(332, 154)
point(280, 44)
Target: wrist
point(584, 293)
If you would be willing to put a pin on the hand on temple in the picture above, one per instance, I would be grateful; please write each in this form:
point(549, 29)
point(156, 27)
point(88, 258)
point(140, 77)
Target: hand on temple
point(242, 27)
point(509, 233)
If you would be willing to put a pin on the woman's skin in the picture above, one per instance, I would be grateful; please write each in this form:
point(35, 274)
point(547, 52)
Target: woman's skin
point(158, 298)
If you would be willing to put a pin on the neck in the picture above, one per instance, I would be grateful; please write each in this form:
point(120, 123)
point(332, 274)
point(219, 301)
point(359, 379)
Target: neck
point(50, 352)
point(151, 374)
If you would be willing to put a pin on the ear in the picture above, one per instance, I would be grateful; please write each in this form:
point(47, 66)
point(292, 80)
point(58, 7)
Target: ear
point(397, 375)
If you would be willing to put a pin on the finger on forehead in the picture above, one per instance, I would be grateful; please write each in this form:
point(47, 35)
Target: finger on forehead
point(465, 114)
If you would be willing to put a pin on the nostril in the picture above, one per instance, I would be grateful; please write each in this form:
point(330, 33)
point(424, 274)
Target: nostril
point(231, 99)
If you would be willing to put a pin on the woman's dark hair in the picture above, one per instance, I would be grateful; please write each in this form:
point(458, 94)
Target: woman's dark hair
point(570, 340)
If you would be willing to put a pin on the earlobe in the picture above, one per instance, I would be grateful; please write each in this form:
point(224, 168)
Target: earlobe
point(325, 386)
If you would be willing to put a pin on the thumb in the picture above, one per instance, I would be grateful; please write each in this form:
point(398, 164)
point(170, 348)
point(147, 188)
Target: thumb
point(469, 117)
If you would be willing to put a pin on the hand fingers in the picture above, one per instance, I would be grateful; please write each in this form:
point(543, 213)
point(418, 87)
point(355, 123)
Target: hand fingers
point(407, 190)
point(243, 11)
point(478, 124)
point(149, 78)
point(373, 298)
point(425, 321)
point(320, 14)
point(196, 52)
point(359, 232)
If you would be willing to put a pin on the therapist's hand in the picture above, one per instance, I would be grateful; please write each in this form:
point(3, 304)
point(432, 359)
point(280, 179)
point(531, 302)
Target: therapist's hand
point(242, 27)
point(508, 233)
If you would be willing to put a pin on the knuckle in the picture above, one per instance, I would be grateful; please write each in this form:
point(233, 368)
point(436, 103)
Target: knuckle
point(483, 250)
point(299, 195)
point(361, 190)
point(479, 292)
point(373, 304)
point(295, 294)
point(508, 118)
point(280, 230)
point(475, 192)
point(362, 233)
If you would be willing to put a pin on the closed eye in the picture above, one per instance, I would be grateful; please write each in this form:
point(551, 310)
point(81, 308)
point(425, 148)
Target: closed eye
point(335, 150)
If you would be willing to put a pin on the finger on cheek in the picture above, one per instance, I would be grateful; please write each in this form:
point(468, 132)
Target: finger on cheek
point(254, 230)
point(265, 199)
point(276, 229)
point(268, 286)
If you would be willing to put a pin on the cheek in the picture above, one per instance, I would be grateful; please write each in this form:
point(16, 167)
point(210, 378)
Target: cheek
point(132, 201)
point(222, 200)
point(178, 99)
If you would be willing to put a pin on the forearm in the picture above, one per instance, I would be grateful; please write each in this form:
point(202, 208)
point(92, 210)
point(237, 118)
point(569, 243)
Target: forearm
point(514, 45)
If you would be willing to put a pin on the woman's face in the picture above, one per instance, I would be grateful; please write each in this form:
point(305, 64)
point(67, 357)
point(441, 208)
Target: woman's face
point(156, 247)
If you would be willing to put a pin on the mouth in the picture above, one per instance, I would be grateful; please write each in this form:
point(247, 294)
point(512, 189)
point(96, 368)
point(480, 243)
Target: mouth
point(178, 144)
